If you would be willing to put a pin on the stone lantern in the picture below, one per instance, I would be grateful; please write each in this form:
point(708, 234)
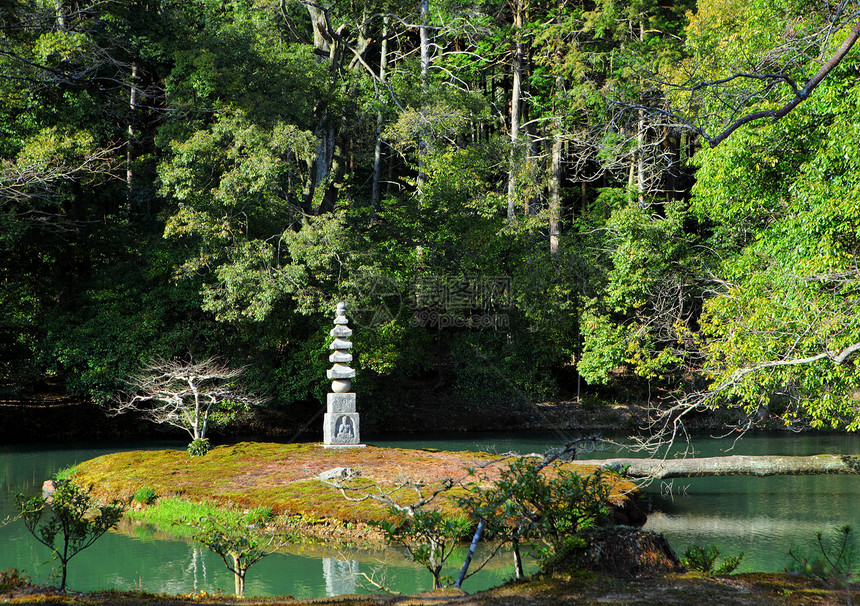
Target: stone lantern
point(340, 425)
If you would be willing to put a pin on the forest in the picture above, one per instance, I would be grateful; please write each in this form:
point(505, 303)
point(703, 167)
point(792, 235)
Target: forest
point(518, 200)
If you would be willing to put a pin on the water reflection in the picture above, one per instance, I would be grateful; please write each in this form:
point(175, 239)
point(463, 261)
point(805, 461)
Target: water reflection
point(340, 576)
point(197, 568)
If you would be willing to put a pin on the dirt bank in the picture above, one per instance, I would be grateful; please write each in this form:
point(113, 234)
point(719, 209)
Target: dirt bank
point(578, 589)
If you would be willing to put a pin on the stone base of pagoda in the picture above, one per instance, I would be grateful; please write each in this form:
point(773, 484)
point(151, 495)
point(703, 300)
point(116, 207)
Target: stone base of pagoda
point(341, 423)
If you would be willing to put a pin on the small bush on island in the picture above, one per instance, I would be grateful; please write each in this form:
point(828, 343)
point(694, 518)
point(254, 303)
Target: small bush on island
point(199, 447)
point(704, 559)
point(146, 495)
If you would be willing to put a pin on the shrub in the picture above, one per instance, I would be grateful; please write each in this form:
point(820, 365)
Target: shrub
point(66, 473)
point(146, 496)
point(552, 509)
point(239, 539)
point(428, 536)
point(704, 559)
point(837, 561)
point(69, 523)
point(199, 447)
point(12, 578)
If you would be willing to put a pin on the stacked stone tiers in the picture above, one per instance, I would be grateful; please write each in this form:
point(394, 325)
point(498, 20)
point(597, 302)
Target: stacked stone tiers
point(340, 425)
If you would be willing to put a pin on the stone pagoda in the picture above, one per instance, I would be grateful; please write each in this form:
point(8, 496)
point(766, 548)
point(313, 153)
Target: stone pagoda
point(340, 426)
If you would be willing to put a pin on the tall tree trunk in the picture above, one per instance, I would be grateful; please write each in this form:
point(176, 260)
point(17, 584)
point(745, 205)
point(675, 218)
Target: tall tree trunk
point(640, 158)
point(328, 165)
point(377, 152)
point(516, 101)
point(320, 27)
point(60, 13)
point(129, 171)
point(640, 138)
point(555, 192)
point(530, 202)
point(631, 177)
point(335, 174)
point(424, 9)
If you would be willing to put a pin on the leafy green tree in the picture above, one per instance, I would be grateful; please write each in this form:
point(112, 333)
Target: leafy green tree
point(649, 306)
point(780, 334)
point(532, 502)
point(67, 521)
point(240, 539)
point(428, 536)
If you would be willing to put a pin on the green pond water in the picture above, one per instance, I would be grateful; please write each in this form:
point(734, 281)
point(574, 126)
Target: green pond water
point(761, 517)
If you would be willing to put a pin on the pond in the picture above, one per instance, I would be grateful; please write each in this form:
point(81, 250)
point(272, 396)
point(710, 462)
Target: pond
point(762, 517)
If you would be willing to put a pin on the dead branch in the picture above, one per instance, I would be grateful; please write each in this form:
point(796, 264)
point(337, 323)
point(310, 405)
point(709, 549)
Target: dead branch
point(26, 181)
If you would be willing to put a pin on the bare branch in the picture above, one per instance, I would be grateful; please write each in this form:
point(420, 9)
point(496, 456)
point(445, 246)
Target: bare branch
point(737, 375)
point(800, 95)
point(25, 181)
point(185, 394)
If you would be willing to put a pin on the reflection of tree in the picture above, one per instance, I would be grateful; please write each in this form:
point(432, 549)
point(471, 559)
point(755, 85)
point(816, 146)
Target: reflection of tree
point(6, 475)
point(340, 576)
point(196, 564)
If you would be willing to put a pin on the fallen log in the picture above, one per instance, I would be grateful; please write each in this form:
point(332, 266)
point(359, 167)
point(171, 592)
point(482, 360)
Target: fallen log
point(733, 465)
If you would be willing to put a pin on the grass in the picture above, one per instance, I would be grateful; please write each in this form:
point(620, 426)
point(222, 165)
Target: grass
point(173, 514)
point(66, 473)
point(168, 513)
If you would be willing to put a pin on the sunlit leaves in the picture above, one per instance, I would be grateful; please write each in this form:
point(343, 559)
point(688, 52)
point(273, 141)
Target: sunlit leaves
point(786, 214)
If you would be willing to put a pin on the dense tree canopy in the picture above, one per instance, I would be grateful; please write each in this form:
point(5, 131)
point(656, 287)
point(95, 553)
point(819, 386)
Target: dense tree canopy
point(511, 195)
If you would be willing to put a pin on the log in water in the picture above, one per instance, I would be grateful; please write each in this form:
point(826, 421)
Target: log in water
point(732, 465)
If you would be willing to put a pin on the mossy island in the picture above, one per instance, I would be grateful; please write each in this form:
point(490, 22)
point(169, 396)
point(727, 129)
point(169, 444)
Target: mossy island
point(285, 478)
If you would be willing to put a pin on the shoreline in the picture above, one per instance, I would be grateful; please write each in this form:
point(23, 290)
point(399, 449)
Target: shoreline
point(560, 589)
point(62, 418)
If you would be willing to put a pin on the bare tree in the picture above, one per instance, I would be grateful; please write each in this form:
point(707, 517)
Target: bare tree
point(188, 395)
